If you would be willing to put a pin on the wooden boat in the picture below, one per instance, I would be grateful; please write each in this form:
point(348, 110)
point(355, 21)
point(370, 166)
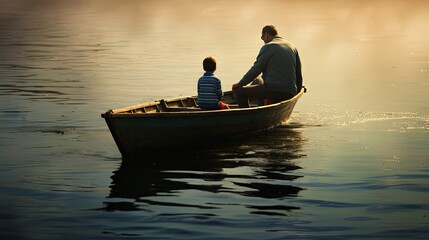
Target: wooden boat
point(177, 123)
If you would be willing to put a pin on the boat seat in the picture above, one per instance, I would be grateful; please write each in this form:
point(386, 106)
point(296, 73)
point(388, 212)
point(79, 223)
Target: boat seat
point(166, 108)
point(234, 105)
point(183, 109)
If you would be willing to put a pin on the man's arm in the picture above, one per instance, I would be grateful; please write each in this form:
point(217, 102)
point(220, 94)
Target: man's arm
point(257, 68)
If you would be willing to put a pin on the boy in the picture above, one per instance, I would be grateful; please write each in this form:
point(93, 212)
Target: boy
point(209, 87)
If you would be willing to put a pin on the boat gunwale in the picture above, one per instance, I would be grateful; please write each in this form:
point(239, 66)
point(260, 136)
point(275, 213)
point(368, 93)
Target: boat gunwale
point(121, 112)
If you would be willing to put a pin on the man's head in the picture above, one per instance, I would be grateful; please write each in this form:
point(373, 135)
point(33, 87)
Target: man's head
point(209, 64)
point(268, 33)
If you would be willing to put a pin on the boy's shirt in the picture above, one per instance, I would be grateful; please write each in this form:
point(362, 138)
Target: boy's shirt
point(209, 91)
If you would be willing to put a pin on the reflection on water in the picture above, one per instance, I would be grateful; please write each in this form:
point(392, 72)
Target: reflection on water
point(236, 172)
point(369, 54)
point(354, 166)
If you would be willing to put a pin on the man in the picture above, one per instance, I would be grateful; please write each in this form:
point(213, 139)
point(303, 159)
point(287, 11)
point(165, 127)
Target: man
point(279, 63)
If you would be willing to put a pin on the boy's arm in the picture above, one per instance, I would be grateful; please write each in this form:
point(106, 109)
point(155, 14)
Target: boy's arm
point(219, 89)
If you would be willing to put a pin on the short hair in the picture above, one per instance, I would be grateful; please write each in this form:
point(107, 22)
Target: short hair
point(270, 29)
point(209, 64)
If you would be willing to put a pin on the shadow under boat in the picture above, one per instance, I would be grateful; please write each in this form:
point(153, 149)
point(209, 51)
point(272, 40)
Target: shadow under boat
point(270, 155)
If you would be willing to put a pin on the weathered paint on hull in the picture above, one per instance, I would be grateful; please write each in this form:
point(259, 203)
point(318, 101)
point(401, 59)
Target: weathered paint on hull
point(137, 135)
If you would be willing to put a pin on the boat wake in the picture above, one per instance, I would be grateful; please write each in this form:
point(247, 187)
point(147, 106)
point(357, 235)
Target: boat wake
point(390, 121)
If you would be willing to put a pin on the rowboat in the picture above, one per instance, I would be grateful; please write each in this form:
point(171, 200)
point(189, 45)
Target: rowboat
point(178, 123)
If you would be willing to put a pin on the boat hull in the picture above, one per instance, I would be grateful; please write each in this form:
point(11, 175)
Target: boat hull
point(137, 135)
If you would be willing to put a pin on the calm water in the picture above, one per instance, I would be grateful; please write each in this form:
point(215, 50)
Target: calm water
point(353, 162)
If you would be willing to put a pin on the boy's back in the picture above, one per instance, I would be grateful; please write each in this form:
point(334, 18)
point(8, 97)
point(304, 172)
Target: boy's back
point(209, 91)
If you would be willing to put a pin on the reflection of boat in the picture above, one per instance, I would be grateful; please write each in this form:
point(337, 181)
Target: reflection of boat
point(179, 123)
point(244, 169)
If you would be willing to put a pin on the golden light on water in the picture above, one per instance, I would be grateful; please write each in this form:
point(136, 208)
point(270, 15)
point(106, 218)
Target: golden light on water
point(364, 50)
point(351, 163)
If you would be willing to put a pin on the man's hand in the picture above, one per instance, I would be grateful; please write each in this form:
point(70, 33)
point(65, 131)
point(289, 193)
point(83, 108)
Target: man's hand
point(235, 86)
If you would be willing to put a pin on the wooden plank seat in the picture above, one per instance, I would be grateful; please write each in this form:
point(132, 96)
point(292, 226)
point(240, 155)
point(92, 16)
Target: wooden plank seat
point(167, 108)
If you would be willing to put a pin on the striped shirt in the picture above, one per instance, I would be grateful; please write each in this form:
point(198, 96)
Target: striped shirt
point(209, 91)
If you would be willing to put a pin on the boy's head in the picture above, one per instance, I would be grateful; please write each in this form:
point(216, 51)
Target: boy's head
point(209, 64)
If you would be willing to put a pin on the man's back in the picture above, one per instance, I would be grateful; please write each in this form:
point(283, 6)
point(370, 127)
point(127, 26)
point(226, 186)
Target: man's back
point(280, 71)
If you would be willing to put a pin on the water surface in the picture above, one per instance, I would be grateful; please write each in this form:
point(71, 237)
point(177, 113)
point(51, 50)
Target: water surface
point(352, 162)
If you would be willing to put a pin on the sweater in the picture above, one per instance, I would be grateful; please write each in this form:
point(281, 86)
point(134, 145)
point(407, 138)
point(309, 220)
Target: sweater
point(209, 91)
point(280, 65)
